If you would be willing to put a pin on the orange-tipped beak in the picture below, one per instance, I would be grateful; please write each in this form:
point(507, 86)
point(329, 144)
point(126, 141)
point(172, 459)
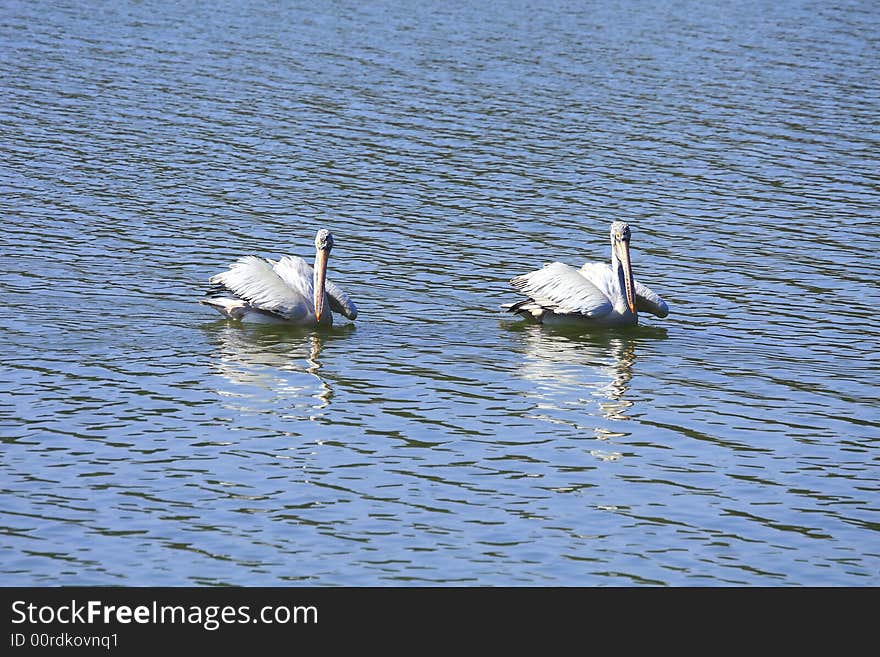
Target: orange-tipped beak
point(320, 281)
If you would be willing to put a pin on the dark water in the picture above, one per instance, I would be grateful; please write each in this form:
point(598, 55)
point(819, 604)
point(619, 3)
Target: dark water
point(449, 146)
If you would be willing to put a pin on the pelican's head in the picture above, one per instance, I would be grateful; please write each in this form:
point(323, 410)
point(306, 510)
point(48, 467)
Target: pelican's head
point(619, 231)
point(324, 240)
point(323, 246)
point(620, 236)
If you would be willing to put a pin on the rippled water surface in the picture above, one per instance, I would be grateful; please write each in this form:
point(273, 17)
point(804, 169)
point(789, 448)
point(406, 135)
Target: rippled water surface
point(437, 440)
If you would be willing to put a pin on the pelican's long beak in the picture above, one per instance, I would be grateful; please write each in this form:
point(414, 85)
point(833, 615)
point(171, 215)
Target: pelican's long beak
point(629, 283)
point(320, 280)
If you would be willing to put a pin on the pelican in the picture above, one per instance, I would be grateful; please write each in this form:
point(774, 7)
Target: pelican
point(595, 295)
point(257, 289)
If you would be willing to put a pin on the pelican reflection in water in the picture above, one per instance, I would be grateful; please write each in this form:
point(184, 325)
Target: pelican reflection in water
point(272, 370)
point(596, 295)
point(579, 370)
point(285, 291)
point(582, 381)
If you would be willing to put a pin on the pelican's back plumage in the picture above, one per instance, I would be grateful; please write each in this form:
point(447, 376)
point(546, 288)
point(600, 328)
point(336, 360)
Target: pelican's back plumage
point(597, 294)
point(561, 289)
point(287, 290)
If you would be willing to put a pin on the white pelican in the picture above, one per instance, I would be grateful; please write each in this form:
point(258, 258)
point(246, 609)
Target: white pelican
point(594, 295)
point(288, 290)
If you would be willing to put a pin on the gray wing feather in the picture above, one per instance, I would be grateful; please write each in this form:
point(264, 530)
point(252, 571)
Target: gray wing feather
point(561, 289)
point(339, 300)
point(649, 302)
point(256, 281)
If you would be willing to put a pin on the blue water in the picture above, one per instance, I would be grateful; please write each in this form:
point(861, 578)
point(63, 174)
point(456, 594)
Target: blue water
point(438, 440)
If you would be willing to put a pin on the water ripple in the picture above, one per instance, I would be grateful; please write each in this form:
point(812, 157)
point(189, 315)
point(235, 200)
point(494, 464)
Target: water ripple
point(437, 440)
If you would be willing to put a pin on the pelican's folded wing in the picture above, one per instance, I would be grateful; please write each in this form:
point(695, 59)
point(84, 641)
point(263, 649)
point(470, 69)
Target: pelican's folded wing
point(339, 300)
point(256, 281)
point(561, 289)
point(649, 302)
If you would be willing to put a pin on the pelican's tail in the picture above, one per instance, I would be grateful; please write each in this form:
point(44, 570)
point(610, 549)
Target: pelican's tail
point(526, 308)
point(230, 308)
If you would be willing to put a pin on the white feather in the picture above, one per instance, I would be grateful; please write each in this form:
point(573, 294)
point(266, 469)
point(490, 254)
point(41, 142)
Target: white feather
point(256, 281)
point(561, 289)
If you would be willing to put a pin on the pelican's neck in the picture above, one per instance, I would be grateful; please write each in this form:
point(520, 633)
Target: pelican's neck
point(618, 282)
